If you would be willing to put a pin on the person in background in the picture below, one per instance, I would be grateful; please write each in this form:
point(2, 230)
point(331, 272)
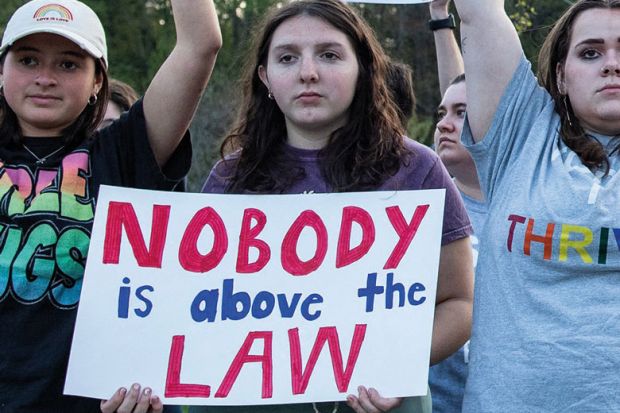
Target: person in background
point(447, 379)
point(400, 83)
point(318, 116)
point(546, 332)
point(53, 62)
point(122, 96)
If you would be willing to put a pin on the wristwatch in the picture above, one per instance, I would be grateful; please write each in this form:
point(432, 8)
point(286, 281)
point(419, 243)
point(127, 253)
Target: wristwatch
point(447, 23)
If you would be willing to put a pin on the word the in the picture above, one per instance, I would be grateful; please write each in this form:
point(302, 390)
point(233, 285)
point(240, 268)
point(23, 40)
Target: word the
point(372, 289)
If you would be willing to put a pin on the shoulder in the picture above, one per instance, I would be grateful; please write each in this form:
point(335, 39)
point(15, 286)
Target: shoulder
point(420, 158)
point(221, 174)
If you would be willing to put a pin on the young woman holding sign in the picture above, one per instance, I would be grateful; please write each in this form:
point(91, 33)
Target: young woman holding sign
point(546, 335)
point(317, 117)
point(53, 62)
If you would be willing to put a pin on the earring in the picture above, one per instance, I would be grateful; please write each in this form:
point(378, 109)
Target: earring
point(92, 100)
point(564, 98)
point(270, 95)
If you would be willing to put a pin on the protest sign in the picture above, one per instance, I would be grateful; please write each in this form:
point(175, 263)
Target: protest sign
point(258, 299)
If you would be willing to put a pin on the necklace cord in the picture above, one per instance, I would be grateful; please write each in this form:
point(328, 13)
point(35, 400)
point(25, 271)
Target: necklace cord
point(41, 161)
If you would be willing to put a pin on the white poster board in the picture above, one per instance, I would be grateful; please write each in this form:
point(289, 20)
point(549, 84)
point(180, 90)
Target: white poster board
point(258, 299)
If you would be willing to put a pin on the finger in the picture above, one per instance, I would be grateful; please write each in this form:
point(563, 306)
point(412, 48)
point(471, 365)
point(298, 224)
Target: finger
point(144, 401)
point(156, 405)
point(365, 402)
point(131, 398)
point(110, 406)
point(354, 403)
point(383, 403)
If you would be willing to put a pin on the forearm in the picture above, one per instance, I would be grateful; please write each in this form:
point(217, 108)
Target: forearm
point(491, 51)
point(449, 59)
point(451, 329)
point(178, 85)
point(197, 27)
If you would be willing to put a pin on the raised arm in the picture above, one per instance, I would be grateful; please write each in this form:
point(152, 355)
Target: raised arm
point(449, 59)
point(491, 51)
point(174, 93)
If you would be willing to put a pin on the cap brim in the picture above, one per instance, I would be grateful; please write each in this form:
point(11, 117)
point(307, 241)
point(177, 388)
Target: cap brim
point(80, 41)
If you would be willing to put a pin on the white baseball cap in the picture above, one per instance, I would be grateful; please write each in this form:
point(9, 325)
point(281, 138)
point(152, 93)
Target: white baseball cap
point(68, 18)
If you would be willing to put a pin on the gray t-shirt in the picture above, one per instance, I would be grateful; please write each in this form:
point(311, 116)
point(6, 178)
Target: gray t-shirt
point(546, 332)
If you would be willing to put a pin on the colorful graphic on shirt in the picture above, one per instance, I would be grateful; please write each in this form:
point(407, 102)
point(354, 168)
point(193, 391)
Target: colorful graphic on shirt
point(561, 242)
point(54, 12)
point(45, 222)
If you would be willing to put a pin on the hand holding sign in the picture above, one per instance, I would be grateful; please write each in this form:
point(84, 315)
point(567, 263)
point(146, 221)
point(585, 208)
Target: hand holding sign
point(133, 400)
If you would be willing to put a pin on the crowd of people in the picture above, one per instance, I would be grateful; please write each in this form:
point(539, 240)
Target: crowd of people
point(528, 163)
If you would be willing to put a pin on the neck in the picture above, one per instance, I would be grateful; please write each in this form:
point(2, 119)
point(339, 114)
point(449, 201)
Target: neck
point(466, 180)
point(306, 139)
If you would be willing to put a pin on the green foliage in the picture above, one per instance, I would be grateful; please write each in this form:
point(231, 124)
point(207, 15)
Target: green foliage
point(421, 129)
point(522, 15)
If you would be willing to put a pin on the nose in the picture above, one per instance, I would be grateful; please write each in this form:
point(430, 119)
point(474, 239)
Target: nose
point(308, 71)
point(611, 66)
point(445, 124)
point(45, 76)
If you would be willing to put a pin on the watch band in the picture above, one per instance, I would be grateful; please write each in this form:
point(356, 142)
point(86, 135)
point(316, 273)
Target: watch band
point(447, 23)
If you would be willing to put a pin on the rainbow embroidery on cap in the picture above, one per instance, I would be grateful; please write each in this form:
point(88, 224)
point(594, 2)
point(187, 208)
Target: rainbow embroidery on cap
point(53, 12)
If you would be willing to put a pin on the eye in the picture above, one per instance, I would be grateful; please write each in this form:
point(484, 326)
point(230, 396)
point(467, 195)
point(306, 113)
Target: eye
point(589, 54)
point(287, 58)
point(68, 65)
point(330, 56)
point(28, 61)
point(439, 115)
point(461, 113)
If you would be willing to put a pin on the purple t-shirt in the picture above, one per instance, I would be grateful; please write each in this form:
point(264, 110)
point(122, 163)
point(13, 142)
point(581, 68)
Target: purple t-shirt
point(423, 171)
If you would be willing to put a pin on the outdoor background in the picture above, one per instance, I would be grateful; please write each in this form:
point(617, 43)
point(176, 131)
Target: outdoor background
point(140, 33)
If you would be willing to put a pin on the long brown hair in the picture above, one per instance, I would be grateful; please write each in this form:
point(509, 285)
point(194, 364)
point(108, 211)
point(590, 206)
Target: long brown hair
point(83, 127)
point(360, 155)
point(553, 53)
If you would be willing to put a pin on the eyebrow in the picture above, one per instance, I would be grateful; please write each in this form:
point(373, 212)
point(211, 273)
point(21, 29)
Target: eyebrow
point(324, 45)
point(455, 105)
point(593, 41)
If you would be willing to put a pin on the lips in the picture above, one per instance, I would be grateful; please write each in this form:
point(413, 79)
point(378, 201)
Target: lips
point(308, 96)
point(445, 139)
point(43, 98)
point(611, 88)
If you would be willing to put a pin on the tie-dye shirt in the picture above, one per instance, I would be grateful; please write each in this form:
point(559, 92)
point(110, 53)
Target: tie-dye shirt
point(46, 216)
point(546, 331)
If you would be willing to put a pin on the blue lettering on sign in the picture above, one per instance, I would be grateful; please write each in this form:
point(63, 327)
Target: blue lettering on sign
point(238, 305)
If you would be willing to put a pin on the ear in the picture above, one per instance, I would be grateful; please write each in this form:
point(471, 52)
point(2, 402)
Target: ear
point(559, 76)
point(262, 74)
point(98, 83)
